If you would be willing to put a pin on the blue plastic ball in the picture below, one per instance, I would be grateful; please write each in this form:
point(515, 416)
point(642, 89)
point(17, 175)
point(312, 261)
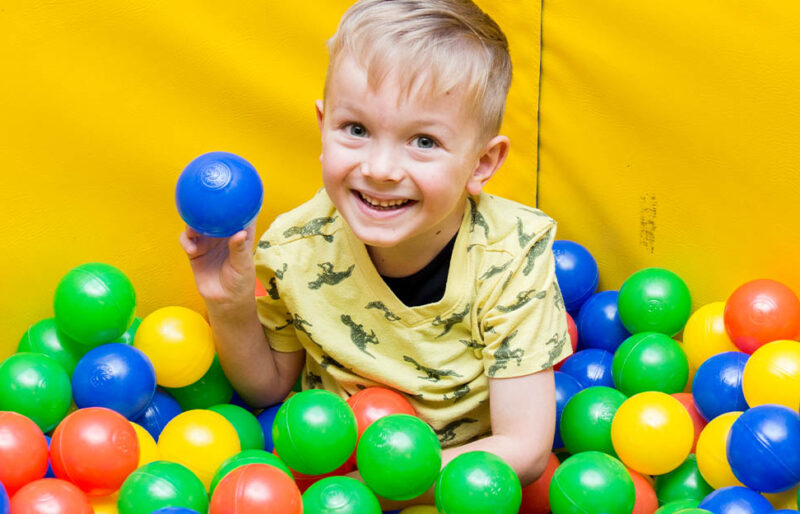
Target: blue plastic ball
point(4, 506)
point(590, 367)
point(717, 385)
point(50, 473)
point(764, 448)
point(158, 413)
point(116, 376)
point(566, 387)
point(576, 272)
point(174, 510)
point(267, 419)
point(735, 500)
point(598, 323)
point(219, 194)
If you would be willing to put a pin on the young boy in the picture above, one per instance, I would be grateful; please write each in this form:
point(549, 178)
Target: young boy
point(401, 272)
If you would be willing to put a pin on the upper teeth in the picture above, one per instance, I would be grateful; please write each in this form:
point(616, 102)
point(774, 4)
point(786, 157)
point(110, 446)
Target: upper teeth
point(382, 203)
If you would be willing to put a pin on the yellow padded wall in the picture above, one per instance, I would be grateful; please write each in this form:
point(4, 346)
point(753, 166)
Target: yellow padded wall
point(670, 136)
point(104, 103)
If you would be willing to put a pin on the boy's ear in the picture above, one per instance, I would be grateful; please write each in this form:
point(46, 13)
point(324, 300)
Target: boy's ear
point(320, 113)
point(489, 161)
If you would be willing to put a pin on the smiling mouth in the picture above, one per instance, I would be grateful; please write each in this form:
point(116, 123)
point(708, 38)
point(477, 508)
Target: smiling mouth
point(383, 205)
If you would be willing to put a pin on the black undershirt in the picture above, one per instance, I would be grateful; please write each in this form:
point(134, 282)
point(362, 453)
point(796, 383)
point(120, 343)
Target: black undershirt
point(426, 285)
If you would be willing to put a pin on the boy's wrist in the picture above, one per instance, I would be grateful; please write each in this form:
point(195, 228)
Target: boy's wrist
point(231, 309)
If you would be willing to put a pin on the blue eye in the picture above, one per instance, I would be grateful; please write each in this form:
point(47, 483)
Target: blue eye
point(356, 129)
point(425, 142)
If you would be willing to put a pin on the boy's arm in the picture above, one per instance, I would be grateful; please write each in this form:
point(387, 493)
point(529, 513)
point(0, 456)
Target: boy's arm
point(224, 272)
point(523, 424)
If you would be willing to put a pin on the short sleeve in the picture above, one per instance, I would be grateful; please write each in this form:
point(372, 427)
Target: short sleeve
point(276, 318)
point(523, 320)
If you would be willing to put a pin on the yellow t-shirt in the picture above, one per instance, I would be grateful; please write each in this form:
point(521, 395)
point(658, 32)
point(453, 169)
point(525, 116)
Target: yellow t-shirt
point(501, 315)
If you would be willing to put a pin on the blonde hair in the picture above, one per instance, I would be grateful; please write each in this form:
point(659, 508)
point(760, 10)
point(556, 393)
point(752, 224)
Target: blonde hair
point(438, 44)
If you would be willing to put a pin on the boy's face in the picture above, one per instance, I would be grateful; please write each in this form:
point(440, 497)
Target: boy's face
point(397, 169)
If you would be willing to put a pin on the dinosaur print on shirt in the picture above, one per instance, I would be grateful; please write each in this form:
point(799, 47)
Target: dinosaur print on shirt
point(330, 277)
point(312, 228)
point(504, 354)
point(431, 374)
point(359, 336)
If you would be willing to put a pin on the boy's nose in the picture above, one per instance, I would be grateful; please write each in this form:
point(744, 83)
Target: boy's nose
point(382, 165)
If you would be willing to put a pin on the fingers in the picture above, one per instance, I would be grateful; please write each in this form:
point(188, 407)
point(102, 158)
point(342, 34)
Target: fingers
point(239, 248)
point(187, 243)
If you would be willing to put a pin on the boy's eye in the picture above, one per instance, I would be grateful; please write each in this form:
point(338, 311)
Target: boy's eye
point(425, 142)
point(356, 129)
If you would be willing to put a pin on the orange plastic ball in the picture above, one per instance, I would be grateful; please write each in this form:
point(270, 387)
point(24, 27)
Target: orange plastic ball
point(50, 496)
point(23, 451)
point(373, 403)
point(699, 422)
point(95, 449)
point(256, 488)
point(535, 497)
point(646, 498)
point(761, 311)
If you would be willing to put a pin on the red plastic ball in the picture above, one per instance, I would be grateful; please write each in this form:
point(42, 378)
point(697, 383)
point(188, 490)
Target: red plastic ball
point(374, 403)
point(646, 499)
point(699, 422)
point(23, 451)
point(95, 449)
point(535, 499)
point(50, 496)
point(761, 311)
point(256, 488)
point(304, 481)
point(572, 330)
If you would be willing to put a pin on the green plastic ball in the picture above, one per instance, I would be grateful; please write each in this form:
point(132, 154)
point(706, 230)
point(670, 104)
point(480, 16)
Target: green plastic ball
point(45, 338)
point(213, 388)
point(478, 482)
point(35, 386)
point(94, 303)
point(650, 361)
point(591, 483)
point(314, 432)
point(251, 435)
point(586, 420)
point(340, 495)
point(161, 484)
point(683, 483)
point(244, 458)
point(654, 300)
point(676, 506)
point(128, 336)
point(399, 456)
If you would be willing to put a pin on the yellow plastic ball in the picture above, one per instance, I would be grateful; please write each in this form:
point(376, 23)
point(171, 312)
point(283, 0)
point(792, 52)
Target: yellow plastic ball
point(179, 343)
point(420, 509)
point(785, 500)
point(199, 439)
point(712, 457)
point(772, 375)
point(704, 335)
point(652, 433)
point(148, 450)
point(105, 504)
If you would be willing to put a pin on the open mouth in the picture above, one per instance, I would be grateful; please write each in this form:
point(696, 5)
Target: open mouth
point(383, 205)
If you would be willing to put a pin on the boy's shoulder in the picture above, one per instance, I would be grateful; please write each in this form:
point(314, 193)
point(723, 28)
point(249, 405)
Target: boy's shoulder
point(502, 222)
point(316, 217)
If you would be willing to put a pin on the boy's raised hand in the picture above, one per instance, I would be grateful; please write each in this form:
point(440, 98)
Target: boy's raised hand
point(223, 268)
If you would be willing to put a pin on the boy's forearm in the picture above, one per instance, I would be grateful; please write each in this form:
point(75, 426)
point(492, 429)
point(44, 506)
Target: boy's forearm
point(245, 354)
point(528, 465)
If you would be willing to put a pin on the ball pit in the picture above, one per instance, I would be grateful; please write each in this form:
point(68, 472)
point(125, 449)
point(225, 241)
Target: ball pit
point(251, 437)
point(649, 361)
point(565, 388)
point(699, 422)
point(213, 388)
point(576, 272)
point(159, 412)
point(587, 417)
point(682, 483)
point(266, 419)
point(3, 500)
point(148, 449)
point(712, 456)
point(598, 323)
point(50, 496)
point(314, 432)
point(179, 343)
point(704, 334)
point(340, 495)
point(219, 194)
point(94, 303)
point(399, 456)
point(115, 376)
point(654, 300)
point(244, 458)
point(373, 403)
point(478, 482)
point(536, 496)
point(646, 500)
point(735, 500)
point(591, 367)
point(761, 311)
point(44, 337)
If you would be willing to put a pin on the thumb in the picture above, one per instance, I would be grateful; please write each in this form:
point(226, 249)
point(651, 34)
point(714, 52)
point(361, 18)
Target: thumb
point(240, 255)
